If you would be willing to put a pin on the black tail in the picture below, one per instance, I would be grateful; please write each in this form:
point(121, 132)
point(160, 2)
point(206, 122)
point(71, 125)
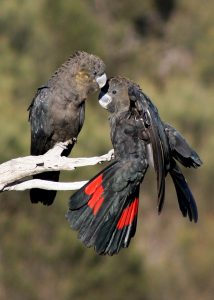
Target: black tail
point(44, 196)
point(104, 211)
point(186, 200)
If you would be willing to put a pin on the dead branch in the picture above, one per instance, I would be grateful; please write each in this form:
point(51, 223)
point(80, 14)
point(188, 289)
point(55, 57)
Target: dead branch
point(13, 173)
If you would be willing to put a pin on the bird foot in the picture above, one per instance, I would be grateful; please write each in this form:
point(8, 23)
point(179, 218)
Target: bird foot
point(71, 141)
point(74, 140)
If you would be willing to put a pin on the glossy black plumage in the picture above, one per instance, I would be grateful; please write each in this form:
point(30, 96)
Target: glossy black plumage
point(57, 111)
point(100, 229)
point(168, 145)
point(104, 211)
point(180, 149)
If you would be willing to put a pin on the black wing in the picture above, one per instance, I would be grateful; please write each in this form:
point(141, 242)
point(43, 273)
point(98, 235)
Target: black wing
point(38, 117)
point(167, 144)
point(180, 149)
point(157, 138)
point(185, 197)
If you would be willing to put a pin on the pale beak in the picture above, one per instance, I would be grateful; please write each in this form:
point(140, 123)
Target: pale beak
point(105, 100)
point(101, 80)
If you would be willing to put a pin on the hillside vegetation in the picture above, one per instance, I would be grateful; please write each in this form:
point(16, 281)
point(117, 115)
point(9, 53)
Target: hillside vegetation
point(165, 46)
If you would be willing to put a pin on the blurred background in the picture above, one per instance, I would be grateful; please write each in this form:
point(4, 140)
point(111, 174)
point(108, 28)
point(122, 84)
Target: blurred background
point(166, 46)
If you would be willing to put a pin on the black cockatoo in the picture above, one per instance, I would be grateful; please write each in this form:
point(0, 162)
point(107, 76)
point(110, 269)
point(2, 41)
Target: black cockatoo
point(104, 211)
point(57, 111)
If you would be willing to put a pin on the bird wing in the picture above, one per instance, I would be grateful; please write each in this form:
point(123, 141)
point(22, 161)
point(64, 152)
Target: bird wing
point(38, 117)
point(185, 197)
point(180, 149)
point(158, 157)
point(157, 138)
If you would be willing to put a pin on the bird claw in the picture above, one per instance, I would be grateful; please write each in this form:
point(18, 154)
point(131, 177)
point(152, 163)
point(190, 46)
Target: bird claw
point(74, 140)
point(71, 141)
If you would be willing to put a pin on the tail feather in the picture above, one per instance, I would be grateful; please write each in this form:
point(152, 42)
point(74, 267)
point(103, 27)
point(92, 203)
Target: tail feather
point(185, 197)
point(80, 198)
point(46, 197)
point(116, 232)
point(123, 237)
point(104, 218)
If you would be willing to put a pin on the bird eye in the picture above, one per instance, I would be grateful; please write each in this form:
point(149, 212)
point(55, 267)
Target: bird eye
point(95, 73)
point(114, 92)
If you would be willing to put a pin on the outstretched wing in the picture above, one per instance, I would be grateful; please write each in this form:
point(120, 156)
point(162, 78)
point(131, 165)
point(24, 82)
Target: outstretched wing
point(180, 149)
point(167, 144)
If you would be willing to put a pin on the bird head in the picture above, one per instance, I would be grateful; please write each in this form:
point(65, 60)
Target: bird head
point(91, 71)
point(114, 96)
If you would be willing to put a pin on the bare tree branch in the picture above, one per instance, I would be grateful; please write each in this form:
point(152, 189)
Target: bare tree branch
point(14, 172)
point(45, 185)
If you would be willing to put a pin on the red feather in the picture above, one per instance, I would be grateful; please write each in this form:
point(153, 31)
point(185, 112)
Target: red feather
point(95, 189)
point(128, 214)
point(90, 189)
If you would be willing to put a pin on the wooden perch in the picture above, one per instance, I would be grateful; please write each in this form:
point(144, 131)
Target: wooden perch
point(13, 173)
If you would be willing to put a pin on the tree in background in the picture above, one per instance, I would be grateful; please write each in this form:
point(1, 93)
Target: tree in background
point(166, 46)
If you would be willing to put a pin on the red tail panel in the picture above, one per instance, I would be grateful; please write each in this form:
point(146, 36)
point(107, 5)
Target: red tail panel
point(128, 214)
point(96, 200)
point(91, 188)
point(96, 190)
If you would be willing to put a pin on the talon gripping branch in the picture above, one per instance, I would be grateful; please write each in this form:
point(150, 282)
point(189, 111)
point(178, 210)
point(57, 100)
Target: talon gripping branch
point(104, 211)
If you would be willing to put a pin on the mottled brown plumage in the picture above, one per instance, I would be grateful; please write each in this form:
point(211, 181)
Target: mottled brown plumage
point(57, 111)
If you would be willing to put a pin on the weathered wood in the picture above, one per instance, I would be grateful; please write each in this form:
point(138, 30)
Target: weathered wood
point(16, 170)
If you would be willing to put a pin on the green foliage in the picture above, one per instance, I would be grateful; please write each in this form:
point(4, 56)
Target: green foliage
point(168, 49)
point(71, 25)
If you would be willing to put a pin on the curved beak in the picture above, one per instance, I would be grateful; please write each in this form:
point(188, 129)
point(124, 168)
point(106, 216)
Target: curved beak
point(101, 80)
point(104, 100)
